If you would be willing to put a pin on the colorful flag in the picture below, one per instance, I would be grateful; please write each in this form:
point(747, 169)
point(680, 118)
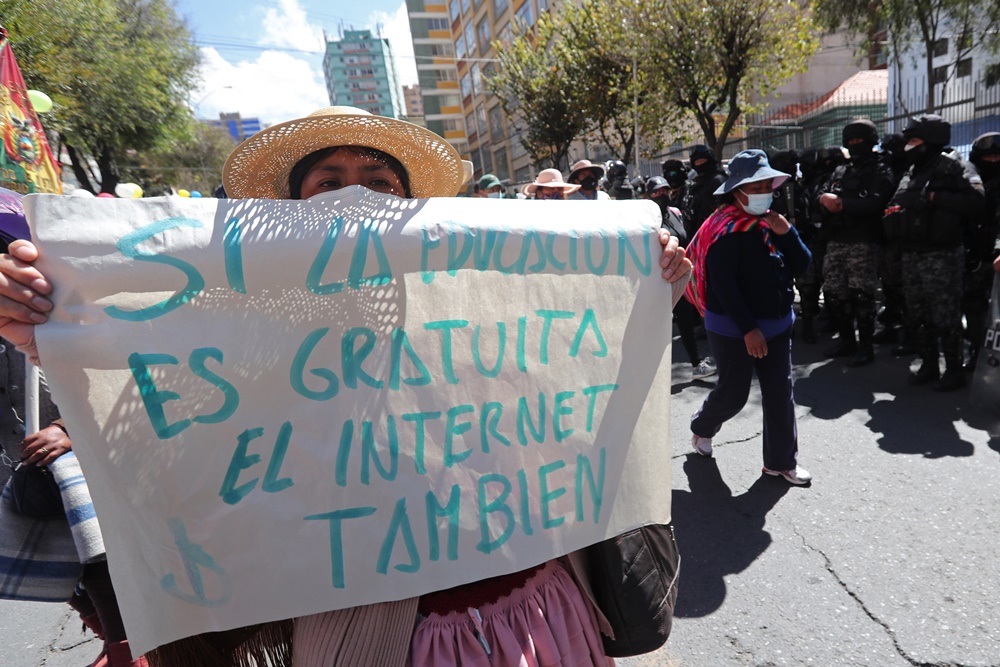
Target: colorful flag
point(26, 162)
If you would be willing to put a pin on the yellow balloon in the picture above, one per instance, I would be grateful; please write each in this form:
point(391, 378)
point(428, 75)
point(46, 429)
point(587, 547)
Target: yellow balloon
point(183, 193)
point(40, 102)
point(136, 192)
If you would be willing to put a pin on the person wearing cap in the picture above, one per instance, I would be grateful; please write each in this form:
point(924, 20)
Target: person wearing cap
point(745, 256)
point(587, 175)
point(983, 252)
point(489, 186)
point(852, 203)
point(685, 314)
point(701, 201)
point(328, 150)
point(929, 215)
point(549, 184)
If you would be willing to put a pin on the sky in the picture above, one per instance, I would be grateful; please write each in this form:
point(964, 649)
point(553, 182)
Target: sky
point(263, 58)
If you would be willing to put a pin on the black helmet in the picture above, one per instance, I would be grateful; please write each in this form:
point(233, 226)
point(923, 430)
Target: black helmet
point(893, 143)
point(985, 144)
point(861, 129)
point(656, 183)
point(700, 151)
point(830, 157)
point(784, 161)
point(931, 128)
point(616, 169)
point(638, 183)
point(675, 173)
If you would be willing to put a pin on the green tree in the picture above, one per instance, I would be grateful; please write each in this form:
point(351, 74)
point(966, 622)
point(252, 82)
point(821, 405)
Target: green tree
point(610, 47)
point(716, 60)
point(189, 157)
point(118, 72)
point(538, 90)
point(968, 23)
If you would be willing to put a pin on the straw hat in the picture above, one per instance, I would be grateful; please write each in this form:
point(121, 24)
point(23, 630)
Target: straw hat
point(259, 167)
point(550, 178)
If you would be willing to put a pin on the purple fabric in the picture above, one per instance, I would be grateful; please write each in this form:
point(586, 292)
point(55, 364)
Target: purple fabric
point(12, 221)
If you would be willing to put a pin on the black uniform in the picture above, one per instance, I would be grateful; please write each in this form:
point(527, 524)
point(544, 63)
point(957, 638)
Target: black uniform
point(981, 246)
point(850, 271)
point(929, 216)
point(701, 200)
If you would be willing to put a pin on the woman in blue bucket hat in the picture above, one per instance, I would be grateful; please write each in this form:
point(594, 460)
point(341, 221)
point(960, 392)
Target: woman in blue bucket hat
point(745, 256)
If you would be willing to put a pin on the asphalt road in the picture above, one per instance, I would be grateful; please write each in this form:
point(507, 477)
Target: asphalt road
point(890, 558)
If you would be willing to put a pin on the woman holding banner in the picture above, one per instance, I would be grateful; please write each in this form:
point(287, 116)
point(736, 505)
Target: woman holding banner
point(542, 615)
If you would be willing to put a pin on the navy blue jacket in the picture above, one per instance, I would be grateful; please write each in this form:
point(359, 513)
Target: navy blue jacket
point(747, 283)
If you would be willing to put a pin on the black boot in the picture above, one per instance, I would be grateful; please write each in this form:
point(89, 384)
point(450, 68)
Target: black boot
point(866, 333)
point(928, 372)
point(808, 330)
point(846, 344)
point(954, 376)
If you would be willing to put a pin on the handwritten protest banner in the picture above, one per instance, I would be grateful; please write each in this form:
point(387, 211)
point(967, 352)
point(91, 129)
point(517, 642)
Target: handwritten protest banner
point(284, 408)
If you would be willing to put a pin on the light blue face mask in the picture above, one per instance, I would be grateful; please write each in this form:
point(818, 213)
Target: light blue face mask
point(495, 195)
point(758, 204)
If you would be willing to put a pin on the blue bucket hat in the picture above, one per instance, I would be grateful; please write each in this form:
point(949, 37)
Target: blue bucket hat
point(749, 167)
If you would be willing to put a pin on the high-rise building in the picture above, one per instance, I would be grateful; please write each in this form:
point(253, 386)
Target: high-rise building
point(360, 72)
point(437, 73)
point(452, 40)
point(239, 128)
point(414, 102)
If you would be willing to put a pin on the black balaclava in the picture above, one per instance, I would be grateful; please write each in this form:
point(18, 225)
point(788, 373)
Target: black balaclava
point(862, 129)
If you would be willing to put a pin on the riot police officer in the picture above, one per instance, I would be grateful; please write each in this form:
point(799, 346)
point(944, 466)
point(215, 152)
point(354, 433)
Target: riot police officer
point(890, 266)
point(852, 204)
point(701, 201)
point(676, 176)
point(618, 184)
point(981, 248)
point(929, 215)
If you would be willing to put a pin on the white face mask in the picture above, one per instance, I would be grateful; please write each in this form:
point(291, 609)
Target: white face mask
point(758, 204)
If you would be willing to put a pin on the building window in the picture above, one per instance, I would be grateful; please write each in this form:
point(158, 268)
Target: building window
point(451, 124)
point(965, 41)
point(470, 38)
point(499, 7)
point(453, 10)
point(481, 120)
point(964, 68)
point(445, 74)
point(496, 123)
point(505, 36)
point(460, 47)
point(466, 85)
point(543, 5)
point(438, 24)
point(442, 50)
point(484, 34)
point(477, 80)
point(940, 74)
point(525, 17)
point(940, 48)
point(488, 70)
point(487, 160)
point(466, 6)
point(470, 124)
point(500, 162)
point(517, 149)
point(450, 101)
point(523, 174)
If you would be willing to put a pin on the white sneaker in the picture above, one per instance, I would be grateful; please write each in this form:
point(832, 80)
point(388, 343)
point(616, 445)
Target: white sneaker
point(701, 445)
point(799, 476)
point(704, 369)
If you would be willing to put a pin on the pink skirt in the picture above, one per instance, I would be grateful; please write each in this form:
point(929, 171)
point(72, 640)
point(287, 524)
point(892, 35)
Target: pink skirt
point(545, 623)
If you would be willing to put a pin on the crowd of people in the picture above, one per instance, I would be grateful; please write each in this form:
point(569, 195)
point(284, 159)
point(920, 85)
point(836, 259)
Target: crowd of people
point(899, 223)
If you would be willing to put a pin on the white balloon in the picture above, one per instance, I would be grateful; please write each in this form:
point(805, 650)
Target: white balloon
point(80, 192)
point(125, 190)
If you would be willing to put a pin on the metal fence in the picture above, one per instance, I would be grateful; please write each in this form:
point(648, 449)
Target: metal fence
point(972, 109)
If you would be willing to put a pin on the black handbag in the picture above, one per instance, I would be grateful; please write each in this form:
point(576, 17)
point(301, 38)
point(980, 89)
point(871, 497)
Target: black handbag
point(634, 581)
point(34, 491)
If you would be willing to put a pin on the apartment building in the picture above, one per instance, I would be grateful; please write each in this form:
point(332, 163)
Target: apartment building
point(360, 72)
point(453, 44)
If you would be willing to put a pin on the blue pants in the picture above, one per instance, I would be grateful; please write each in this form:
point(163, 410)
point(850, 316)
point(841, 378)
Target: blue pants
point(774, 372)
